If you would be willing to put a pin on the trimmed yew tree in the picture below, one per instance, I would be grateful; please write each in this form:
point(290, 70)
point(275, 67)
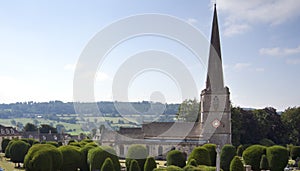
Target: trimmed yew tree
point(201, 155)
point(150, 164)
point(252, 156)
point(211, 148)
point(136, 152)
point(18, 150)
point(108, 165)
point(236, 164)
point(278, 157)
point(227, 154)
point(176, 158)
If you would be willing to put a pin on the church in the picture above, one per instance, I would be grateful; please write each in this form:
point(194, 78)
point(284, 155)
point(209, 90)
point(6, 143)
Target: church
point(212, 126)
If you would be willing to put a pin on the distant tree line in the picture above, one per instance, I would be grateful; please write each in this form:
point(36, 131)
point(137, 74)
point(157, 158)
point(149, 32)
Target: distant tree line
point(27, 109)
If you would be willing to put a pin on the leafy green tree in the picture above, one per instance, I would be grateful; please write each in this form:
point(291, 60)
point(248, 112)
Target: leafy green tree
point(188, 110)
point(29, 127)
point(18, 150)
point(108, 165)
point(227, 154)
point(4, 144)
point(201, 155)
point(134, 166)
point(136, 152)
point(47, 128)
point(291, 118)
point(236, 164)
point(150, 164)
point(175, 158)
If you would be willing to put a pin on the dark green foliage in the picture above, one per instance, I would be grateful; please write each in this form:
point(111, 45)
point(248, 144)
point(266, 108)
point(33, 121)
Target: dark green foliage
point(96, 157)
point(264, 164)
point(252, 156)
point(227, 154)
point(76, 144)
point(71, 141)
point(192, 162)
point(191, 168)
point(169, 168)
point(138, 153)
point(7, 149)
point(47, 129)
point(176, 158)
point(72, 157)
point(207, 168)
point(108, 165)
point(29, 127)
point(84, 150)
point(134, 166)
point(236, 164)
point(278, 157)
point(201, 155)
point(4, 144)
point(55, 144)
point(18, 150)
point(240, 150)
point(295, 152)
point(43, 157)
point(150, 164)
point(266, 142)
point(212, 153)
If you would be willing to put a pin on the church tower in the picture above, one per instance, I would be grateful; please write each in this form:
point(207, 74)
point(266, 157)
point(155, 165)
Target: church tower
point(215, 114)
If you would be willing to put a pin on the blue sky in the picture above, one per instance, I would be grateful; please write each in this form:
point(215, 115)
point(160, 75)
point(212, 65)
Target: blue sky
point(41, 41)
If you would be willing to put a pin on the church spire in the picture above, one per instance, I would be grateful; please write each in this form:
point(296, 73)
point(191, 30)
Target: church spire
point(215, 71)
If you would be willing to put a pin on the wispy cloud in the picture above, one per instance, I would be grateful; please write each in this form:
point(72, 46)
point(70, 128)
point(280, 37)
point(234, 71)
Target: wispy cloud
point(277, 51)
point(234, 29)
point(192, 21)
point(242, 13)
point(69, 67)
point(240, 66)
point(293, 61)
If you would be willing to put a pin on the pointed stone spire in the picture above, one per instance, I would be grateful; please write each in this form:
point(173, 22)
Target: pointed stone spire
point(215, 71)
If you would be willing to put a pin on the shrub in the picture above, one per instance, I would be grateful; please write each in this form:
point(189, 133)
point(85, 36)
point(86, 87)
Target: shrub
point(252, 156)
point(138, 153)
point(176, 158)
point(169, 168)
point(266, 142)
point(295, 152)
point(18, 150)
point(211, 148)
point(108, 165)
point(236, 164)
point(4, 144)
point(134, 166)
point(201, 155)
point(7, 149)
point(43, 157)
point(264, 165)
point(192, 162)
point(227, 154)
point(96, 157)
point(240, 150)
point(150, 164)
point(72, 157)
point(84, 150)
point(55, 144)
point(207, 168)
point(278, 157)
point(191, 168)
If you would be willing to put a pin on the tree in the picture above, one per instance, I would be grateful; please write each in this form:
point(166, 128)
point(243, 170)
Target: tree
point(4, 144)
point(252, 156)
point(201, 155)
point(227, 154)
point(29, 127)
point(264, 165)
point(72, 157)
point(240, 150)
point(108, 165)
point(47, 129)
point(295, 152)
point(18, 150)
point(188, 110)
point(291, 118)
point(278, 157)
point(236, 164)
point(150, 164)
point(211, 148)
point(96, 157)
point(175, 158)
point(136, 152)
point(134, 166)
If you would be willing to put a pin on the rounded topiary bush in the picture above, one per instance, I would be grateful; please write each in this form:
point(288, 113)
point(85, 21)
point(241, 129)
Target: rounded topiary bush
point(18, 150)
point(201, 155)
point(84, 150)
point(176, 158)
point(150, 164)
point(264, 164)
point(252, 156)
point(236, 164)
point(43, 157)
point(72, 157)
point(96, 157)
point(240, 150)
point(192, 162)
point(138, 153)
point(7, 149)
point(227, 154)
point(108, 165)
point(278, 157)
point(191, 168)
point(4, 144)
point(134, 166)
point(295, 152)
point(212, 152)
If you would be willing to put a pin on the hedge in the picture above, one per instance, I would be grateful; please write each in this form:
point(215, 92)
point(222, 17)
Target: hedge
point(134, 166)
point(4, 144)
point(192, 162)
point(227, 154)
point(18, 150)
point(137, 152)
point(240, 150)
point(96, 157)
point(150, 164)
point(176, 158)
point(212, 152)
point(169, 168)
point(252, 156)
point(236, 164)
point(108, 165)
point(278, 157)
point(264, 164)
point(201, 155)
point(72, 157)
point(84, 150)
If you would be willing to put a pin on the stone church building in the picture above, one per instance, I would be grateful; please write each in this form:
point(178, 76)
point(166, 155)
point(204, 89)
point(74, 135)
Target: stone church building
point(213, 124)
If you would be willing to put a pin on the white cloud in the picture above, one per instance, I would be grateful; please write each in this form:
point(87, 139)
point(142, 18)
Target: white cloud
point(250, 12)
point(101, 76)
point(234, 29)
point(192, 21)
point(240, 66)
point(277, 51)
point(293, 61)
point(69, 67)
